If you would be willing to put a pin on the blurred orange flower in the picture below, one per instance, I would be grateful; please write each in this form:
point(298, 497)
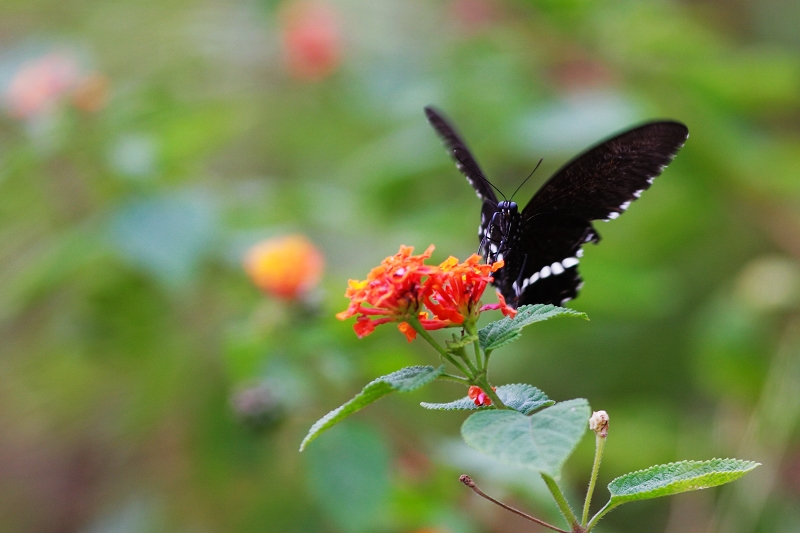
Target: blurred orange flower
point(287, 267)
point(312, 40)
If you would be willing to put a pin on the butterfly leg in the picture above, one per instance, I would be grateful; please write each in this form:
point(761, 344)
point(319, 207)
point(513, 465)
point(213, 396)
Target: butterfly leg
point(487, 251)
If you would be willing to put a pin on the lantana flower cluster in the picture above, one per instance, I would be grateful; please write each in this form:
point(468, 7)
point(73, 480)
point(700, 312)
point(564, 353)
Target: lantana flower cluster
point(404, 289)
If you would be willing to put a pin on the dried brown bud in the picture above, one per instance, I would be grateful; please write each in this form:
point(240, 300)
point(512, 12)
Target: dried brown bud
point(599, 423)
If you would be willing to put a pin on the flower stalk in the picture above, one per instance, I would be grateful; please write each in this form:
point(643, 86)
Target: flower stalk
point(599, 424)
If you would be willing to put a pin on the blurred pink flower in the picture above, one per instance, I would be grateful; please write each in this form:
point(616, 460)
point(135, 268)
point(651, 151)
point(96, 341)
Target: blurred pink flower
point(39, 84)
point(312, 39)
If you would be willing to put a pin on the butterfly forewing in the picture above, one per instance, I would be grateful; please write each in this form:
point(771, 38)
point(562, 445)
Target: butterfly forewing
point(461, 155)
point(606, 178)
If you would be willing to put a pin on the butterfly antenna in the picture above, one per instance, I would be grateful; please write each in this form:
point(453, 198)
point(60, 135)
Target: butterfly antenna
point(529, 177)
point(478, 174)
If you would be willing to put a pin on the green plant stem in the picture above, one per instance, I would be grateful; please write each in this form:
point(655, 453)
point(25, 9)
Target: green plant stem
point(561, 501)
point(422, 332)
point(457, 379)
point(596, 518)
point(469, 327)
point(599, 446)
point(464, 357)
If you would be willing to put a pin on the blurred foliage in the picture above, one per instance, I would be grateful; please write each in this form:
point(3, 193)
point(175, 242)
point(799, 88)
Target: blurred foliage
point(147, 385)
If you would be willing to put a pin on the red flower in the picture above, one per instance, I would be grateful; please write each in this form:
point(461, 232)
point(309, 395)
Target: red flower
point(502, 306)
point(403, 285)
point(394, 291)
point(477, 395)
point(457, 288)
point(286, 267)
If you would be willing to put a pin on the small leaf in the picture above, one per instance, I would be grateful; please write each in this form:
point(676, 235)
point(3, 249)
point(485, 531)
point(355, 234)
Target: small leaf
point(520, 397)
point(507, 330)
point(542, 441)
point(404, 380)
point(673, 478)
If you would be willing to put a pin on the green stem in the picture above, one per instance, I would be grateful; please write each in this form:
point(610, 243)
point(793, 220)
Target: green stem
point(469, 327)
point(596, 518)
point(464, 357)
point(457, 379)
point(561, 501)
point(599, 446)
point(422, 332)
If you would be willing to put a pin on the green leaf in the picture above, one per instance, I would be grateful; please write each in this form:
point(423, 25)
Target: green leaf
point(520, 397)
point(542, 441)
point(404, 380)
point(507, 330)
point(673, 478)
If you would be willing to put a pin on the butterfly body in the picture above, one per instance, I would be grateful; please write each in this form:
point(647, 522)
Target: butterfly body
point(541, 245)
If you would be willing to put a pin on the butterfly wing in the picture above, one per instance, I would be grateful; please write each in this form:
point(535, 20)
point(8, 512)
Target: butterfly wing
point(599, 184)
point(461, 155)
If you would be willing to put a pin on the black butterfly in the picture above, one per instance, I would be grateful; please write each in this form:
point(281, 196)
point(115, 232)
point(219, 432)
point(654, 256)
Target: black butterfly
point(541, 245)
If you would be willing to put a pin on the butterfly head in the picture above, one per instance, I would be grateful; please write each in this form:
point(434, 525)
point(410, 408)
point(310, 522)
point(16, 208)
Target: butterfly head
point(507, 206)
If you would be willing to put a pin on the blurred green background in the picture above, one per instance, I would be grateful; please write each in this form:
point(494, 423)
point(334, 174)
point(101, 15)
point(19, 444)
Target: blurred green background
point(146, 385)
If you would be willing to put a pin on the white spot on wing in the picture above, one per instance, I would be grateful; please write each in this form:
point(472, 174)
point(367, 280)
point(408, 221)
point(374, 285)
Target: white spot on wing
point(579, 253)
point(638, 193)
point(545, 272)
point(612, 215)
point(500, 257)
point(570, 262)
point(625, 206)
point(557, 268)
point(651, 180)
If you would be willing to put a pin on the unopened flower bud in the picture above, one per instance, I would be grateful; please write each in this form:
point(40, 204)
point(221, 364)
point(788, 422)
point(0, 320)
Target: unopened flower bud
point(599, 423)
point(480, 398)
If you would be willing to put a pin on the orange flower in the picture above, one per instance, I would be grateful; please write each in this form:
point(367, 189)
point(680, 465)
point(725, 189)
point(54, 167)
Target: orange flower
point(457, 288)
point(477, 395)
point(403, 285)
point(287, 267)
point(312, 39)
point(394, 291)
